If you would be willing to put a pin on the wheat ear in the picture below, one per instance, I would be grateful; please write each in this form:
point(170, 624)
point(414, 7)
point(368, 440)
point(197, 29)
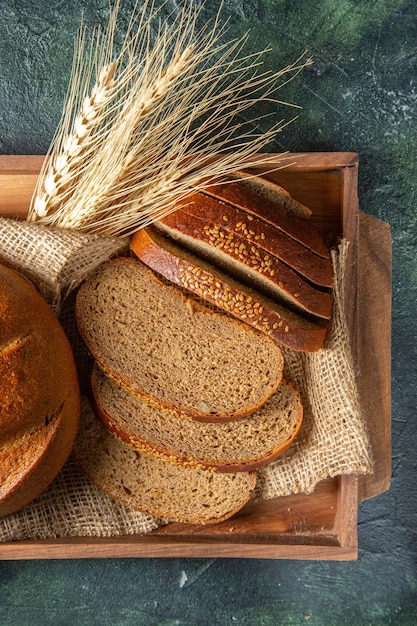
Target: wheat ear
point(168, 121)
point(145, 102)
point(56, 183)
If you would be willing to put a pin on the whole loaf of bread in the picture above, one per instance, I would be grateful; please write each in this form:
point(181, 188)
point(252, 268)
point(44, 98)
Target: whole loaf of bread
point(39, 393)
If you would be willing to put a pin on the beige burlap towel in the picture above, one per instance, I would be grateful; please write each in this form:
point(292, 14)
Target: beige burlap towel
point(56, 261)
point(73, 507)
point(332, 441)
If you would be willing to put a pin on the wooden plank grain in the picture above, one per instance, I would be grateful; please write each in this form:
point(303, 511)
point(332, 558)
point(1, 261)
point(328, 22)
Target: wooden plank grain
point(347, 512)
point(130, 547)
point(374, 361)
point(312, 161)
point(18, 176)
point(20, 164)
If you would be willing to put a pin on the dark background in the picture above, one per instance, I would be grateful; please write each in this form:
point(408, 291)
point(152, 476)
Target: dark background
point(360, 95)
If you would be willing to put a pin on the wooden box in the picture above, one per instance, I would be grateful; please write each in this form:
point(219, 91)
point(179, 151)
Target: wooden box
point(322, 525)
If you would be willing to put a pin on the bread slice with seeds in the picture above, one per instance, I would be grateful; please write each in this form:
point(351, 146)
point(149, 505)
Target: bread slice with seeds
point(259, 197)
point(222, 290)
point(270, 190)
point(246, 260)
point(154, 487)
point(255, 239)
point(241, 445)
point(171, 350)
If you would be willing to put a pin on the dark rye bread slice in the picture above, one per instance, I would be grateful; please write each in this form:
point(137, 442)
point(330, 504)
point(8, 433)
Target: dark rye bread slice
point(218, 288)
point(171, 350)
point(242, 445)
point(270, 190)
point(226, 226)
point(261, 198)
point(268, 275)
point(152, 486)
point(244, 259)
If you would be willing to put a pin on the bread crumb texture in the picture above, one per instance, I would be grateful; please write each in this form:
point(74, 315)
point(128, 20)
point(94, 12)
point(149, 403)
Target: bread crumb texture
point(152, 486)
point(246, 443)
point(162, 345)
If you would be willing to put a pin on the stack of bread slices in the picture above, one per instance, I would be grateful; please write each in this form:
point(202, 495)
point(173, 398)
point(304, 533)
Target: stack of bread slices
point(186, 337)
point(247, 247)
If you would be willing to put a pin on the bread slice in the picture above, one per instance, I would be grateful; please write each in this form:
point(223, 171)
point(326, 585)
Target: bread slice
point(247, 261)
point(154, 487)
point(270, 202)
point(214, 286)
point(172, 351)
point(39, 393)
point(240, 445)
point(255, 239)
point(271, 191)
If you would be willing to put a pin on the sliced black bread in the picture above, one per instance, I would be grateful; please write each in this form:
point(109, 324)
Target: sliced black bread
point(227, 225)
point(244, 259)
point(154, 487)
point(270, 190)
point(171, 350)
point(261, 198)
point(215, 286)
point(240, 445)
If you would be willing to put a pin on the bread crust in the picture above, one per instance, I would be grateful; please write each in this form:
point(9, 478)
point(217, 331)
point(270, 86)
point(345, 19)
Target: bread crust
point(93, 433)
point(253, 194)
point(259, 236)
point(39, 395)
point(291, 331)
point(45, 458)
point(247, 260)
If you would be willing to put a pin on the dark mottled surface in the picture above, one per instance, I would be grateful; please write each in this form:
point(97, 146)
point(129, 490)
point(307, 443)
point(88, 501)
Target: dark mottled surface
point(360, 95)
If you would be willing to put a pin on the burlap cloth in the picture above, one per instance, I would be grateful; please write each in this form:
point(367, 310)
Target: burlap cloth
point(332, 441)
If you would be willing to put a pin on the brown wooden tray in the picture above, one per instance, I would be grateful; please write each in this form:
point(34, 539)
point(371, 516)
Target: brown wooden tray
point(322, 525)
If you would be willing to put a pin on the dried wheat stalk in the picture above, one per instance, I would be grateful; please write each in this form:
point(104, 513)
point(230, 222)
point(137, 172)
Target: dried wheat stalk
point(148, 130)
point(58, 177)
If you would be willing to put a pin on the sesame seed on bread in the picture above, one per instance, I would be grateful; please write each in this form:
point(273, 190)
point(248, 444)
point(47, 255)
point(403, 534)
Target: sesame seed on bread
point(257, 240)
point(262, 198)
point(235, 252)
point(215, 286)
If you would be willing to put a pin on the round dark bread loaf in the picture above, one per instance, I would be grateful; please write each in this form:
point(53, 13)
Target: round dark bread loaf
point(39, 393)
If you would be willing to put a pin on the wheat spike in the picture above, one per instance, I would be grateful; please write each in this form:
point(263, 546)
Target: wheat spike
point(57, 180)
point(160, 119)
